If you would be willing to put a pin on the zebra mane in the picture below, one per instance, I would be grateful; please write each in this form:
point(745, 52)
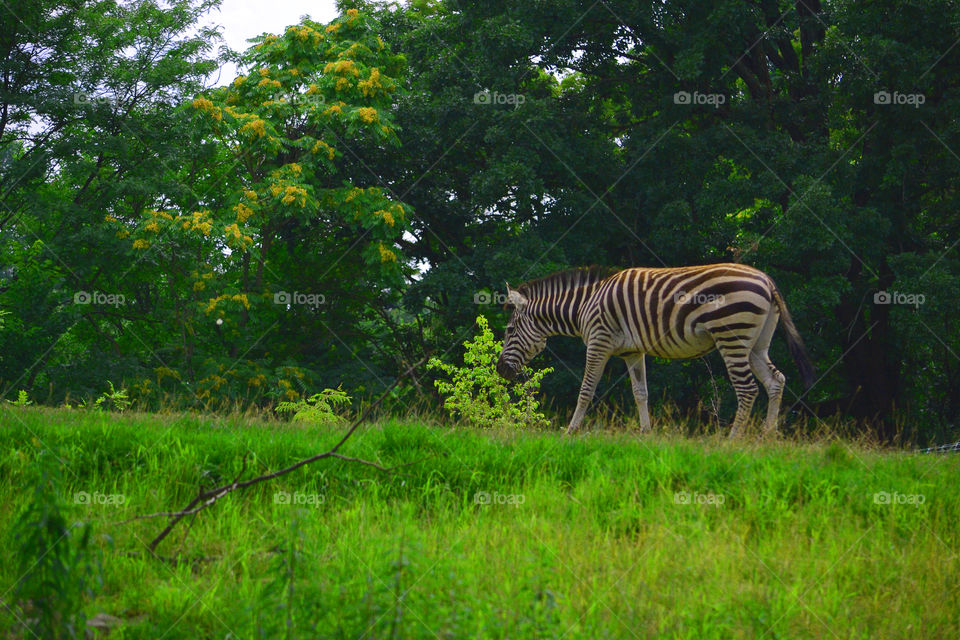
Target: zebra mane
point(568, 278)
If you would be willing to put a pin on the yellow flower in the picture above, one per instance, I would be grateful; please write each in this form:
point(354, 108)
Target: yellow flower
point(109, 219)
point(295, 168)
point(243, 212)
point(257, 127)
point(199, 285)
point(212, 304)
point(342, 67)
point(323, 146)
point(371, 84)
point(166, 372)
point(202, 104)
point(153, 227)
point(141, 244)
point(333, 28)
point(267, 82)
point(386, 215)
point(385, 254)
point(368, 114)
point(292, 194)
point(123, 233)
point(332, 109)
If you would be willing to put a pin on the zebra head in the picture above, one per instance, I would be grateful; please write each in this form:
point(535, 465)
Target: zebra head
point(523, 339)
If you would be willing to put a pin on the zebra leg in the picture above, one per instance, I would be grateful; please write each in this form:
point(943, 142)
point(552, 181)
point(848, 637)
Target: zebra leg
point(773, 381)
point(596, 361)
point(744, 384)
point(636, 365)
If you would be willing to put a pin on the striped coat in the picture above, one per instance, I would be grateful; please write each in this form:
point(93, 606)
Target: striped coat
point(682, 312)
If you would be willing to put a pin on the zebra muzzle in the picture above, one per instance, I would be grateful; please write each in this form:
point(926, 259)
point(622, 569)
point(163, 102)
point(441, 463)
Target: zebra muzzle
point(505, 370)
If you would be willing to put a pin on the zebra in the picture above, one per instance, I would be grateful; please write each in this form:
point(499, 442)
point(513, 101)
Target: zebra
point(675, 313)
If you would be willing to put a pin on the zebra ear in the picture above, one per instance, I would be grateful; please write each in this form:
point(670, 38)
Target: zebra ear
point(515, 298)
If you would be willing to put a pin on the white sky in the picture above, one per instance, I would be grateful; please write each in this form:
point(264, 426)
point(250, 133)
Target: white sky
point(244, 19)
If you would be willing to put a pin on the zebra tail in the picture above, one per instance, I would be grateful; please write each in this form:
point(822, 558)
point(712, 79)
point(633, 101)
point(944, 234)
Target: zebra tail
point(795, 343)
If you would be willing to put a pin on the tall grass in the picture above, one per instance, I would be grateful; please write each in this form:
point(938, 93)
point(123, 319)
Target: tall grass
point(495, 534)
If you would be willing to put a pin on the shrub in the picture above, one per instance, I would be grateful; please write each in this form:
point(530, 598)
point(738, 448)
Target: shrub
point(317, 409)
point(23, 400)
point(475, 392)
point(115, 400)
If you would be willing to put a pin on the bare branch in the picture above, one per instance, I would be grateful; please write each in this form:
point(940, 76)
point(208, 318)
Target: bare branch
point(209, 497)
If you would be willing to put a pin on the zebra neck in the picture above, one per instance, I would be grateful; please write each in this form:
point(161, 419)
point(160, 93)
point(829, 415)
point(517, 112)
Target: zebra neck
point(560, 315)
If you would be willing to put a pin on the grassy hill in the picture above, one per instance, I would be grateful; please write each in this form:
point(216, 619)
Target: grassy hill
point(489, 535)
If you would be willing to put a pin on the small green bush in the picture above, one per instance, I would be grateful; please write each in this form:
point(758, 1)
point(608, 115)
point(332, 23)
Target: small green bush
point(114, 400)
point(23, 400)
point(476, 394)
point(318, 409)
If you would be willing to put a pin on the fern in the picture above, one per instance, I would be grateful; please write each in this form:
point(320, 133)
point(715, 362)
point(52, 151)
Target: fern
point(319, 408)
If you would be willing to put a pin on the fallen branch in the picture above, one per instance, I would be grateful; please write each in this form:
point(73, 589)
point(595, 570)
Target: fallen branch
point(209, 497)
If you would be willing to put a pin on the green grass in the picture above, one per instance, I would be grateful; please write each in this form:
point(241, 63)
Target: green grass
point(592, 541)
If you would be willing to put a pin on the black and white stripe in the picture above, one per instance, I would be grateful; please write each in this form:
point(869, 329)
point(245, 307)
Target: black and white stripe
point(682, 312)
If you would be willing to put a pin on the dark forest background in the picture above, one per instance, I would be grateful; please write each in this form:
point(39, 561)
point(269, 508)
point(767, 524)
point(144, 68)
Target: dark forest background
point(364, 189)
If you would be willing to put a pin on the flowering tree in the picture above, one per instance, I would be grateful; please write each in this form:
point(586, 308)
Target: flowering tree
point(279, 136)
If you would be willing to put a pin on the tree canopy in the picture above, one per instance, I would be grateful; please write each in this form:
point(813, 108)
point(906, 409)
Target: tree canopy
point(363, 189)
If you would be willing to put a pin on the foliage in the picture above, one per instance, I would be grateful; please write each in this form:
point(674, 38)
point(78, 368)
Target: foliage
point(54, 560)
point(23, 399)
point(114, 400)
point(318, 409)
point(343, 205)
point(477, 395)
